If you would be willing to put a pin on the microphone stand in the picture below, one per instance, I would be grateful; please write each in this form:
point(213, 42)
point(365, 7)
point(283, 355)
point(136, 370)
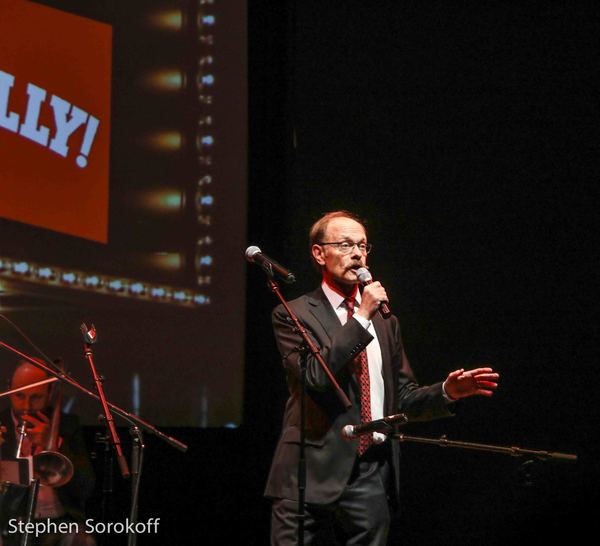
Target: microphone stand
point(89, 337)
point(137, 457)
point(513, 451)
point(386, 424)
point(102, 442)
point(303, 349)
point(32, 495)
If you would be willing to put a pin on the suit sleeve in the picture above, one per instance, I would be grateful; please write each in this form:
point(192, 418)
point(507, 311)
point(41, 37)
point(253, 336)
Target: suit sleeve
point(337, 351)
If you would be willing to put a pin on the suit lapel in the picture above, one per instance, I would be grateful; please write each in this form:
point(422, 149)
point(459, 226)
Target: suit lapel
point(321, 309)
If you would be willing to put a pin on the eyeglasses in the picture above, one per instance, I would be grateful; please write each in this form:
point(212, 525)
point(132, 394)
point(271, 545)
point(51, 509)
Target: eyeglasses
point(345, 247)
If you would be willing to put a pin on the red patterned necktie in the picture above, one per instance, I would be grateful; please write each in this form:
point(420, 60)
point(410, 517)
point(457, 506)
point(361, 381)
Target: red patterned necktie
point(362, 375)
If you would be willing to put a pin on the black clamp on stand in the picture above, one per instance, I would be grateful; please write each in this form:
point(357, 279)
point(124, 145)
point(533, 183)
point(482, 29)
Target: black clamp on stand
point(307, 346)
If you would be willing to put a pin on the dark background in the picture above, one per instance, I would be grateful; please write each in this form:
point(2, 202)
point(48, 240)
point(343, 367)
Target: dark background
point(467, 134)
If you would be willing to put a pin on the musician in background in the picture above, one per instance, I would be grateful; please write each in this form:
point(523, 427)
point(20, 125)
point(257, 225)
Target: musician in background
point(59, 504)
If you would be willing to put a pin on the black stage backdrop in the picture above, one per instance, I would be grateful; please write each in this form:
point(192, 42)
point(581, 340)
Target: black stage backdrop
point(468, 135)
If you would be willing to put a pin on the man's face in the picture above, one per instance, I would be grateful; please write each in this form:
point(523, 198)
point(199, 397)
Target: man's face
point(339, 270)
point(31, 400)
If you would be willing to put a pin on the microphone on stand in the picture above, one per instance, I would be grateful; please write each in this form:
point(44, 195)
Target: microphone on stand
point(271, 267)
point(384, 425)
point(365, 277)
point(89, 334)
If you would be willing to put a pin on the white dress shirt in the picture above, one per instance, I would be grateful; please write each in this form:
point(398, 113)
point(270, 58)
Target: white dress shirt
point(373, 349)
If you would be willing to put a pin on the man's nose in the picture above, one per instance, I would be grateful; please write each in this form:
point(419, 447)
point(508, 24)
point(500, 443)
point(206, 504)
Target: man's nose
point(356, 253)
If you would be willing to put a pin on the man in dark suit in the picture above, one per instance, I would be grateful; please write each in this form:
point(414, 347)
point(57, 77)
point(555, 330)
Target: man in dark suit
point(349, 483)
point(60, 504)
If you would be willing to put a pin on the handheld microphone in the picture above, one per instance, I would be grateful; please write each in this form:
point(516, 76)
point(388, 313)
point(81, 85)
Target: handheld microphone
point(384, 425)
point(270, 266)
point(365, 277)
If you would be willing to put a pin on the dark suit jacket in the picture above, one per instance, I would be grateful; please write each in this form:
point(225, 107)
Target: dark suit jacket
point(329, 457)
point(74, 494)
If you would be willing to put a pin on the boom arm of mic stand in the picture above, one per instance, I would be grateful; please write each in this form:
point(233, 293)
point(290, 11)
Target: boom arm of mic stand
point(314, 350)
point(513, 451)
point(132, 419)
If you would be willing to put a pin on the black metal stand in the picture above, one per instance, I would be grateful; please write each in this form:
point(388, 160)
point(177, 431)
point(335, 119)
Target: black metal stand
point(306, 347)
point(137, 458)
point(302, 448)
point(103, 442)
point(513, 451)
point(32, 493)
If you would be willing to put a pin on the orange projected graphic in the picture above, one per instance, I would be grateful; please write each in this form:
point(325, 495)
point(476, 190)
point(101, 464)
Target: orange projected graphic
point(55, 84)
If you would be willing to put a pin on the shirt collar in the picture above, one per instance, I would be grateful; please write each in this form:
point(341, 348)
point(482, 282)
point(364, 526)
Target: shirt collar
point(335, 298)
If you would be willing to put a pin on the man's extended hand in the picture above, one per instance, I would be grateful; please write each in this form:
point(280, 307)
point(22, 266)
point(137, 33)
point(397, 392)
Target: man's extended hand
point(480, 381)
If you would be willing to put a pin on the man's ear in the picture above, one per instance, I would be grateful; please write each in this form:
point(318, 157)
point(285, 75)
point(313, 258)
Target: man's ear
point(318, 254)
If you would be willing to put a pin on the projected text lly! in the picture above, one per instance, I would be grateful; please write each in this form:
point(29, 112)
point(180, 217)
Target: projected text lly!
point(67, 119)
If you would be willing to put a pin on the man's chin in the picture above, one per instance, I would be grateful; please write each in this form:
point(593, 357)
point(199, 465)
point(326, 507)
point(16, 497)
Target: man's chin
point(348, 279)
point(351, 277)
point(345, 284)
